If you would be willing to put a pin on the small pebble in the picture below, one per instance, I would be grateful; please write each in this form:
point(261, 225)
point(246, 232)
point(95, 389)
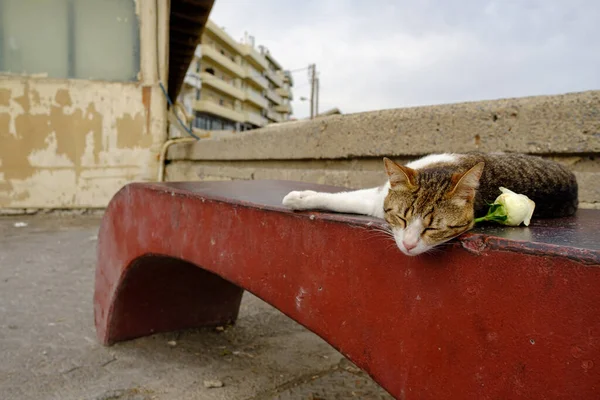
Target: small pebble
point(20, 224)
point(213, 383)
point(172, 343)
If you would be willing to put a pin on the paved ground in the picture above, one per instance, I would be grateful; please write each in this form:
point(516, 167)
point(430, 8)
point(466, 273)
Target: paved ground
point(48, 348)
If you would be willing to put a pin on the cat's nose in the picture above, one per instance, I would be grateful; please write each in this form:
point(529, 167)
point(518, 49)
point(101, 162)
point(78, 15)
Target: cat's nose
point(409, 245)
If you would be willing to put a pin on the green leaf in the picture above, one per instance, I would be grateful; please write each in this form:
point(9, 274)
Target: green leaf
point(496, 213)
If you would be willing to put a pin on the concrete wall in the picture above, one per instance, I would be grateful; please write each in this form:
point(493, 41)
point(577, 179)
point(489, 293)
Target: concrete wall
point(346, 150)
point(72, 143)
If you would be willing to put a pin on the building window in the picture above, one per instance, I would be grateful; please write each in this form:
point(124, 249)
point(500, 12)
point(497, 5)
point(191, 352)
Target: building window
point(70, 38)
point(212, 123)
point(209, 70)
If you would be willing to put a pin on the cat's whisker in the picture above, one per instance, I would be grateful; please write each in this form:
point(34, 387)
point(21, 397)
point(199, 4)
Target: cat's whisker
point(392, 246)
point(376, 232)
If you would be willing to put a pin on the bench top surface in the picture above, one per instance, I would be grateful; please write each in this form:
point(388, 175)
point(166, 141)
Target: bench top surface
point(575, 237)
point(510, 304)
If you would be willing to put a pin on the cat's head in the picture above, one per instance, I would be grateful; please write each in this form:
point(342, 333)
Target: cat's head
point(429, 207)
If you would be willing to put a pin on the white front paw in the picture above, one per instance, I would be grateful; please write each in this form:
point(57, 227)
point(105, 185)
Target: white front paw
point(300, 200)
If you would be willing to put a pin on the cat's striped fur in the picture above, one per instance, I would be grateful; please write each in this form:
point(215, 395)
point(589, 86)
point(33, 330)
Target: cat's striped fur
point(436, 198)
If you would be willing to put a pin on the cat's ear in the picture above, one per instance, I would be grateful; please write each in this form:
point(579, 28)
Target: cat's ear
point(467, 184)
point(399, 175)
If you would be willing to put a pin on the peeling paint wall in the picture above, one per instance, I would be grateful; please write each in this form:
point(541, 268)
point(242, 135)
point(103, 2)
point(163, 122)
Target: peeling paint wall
point(74, 143)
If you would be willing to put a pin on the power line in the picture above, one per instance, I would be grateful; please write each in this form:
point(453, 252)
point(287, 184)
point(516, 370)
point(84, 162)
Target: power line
point(298, 69)
point(301, 86)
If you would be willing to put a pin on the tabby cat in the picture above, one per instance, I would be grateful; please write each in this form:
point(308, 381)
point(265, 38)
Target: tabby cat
point(436, 198)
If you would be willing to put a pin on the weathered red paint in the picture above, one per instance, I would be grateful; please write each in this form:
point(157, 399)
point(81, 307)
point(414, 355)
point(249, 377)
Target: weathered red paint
point(488, 317)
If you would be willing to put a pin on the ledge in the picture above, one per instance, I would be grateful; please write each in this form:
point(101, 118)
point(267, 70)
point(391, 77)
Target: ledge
point(563, 124)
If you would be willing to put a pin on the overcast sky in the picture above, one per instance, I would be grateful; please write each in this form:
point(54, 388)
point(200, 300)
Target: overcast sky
point(381, 54)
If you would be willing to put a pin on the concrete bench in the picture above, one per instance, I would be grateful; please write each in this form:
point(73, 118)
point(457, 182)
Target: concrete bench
point(499, 313)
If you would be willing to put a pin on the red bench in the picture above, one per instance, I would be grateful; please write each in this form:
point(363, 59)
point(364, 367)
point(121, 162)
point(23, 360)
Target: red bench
point(500, 313)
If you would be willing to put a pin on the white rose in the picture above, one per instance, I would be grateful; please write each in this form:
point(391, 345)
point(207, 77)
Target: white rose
point(518, 207)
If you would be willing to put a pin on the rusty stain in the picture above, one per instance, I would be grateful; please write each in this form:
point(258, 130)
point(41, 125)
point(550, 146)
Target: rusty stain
point(477, 140)
point(146, 97)
point(5, 97)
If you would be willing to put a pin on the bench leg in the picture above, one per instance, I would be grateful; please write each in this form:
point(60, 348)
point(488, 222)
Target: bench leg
point(160, 294)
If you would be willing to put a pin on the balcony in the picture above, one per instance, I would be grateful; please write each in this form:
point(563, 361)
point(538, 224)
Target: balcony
point(271, 59)
point(254, 56)
point(193, 79)
point(273, 116)
point(284, 92)
point(287, 78)
point(222, 35)
point(256, 119)
point(222, 61)
point(210, 107)
point(283, 108)
point(275, 78)
point(257, 78)
point(274, 97)
point(222, 86)
point(257, 99)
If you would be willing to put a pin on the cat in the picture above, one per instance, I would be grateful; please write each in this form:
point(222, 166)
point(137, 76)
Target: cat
point(436, 198)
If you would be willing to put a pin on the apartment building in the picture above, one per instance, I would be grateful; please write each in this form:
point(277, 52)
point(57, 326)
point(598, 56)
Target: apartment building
point(233, 85)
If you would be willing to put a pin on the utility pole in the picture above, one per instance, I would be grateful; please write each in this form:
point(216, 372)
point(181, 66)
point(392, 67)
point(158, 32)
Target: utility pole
point(317, 97)
point(312, 72)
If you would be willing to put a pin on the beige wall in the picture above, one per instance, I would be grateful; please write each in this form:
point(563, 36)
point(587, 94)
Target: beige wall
point(346, 150)
point(218, 71)
point(71, 143)
point(215, 97)
point(251, 108)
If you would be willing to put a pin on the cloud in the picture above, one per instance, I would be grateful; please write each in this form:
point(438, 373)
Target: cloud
point(390, 53)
